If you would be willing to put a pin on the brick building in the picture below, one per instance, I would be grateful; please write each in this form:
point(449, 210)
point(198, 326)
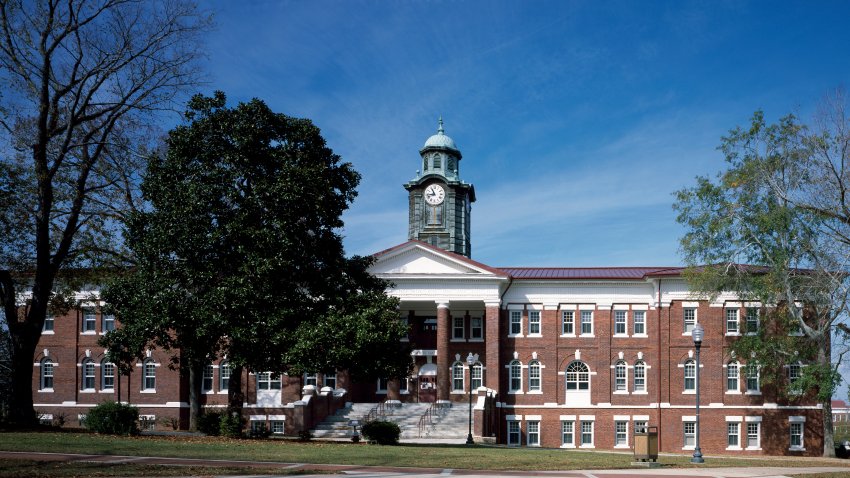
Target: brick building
point(560, 357)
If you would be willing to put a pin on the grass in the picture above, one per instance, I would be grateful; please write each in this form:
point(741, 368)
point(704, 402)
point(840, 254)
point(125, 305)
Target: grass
point(426, 456)
point(57, 469)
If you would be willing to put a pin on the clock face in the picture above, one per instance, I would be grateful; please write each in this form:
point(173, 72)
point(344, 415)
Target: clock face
point(434, 194)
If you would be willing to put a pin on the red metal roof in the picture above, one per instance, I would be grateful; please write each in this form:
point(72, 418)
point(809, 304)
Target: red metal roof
point(531, 273)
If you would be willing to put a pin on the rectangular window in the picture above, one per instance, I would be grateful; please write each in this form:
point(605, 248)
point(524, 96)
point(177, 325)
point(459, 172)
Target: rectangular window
point(586, 433)
point(277, 427)
point(753, 435)
point(265, 381)
point(752, 379)
point(752, 320)
point(88, 375)
point(458, 332)
point(108, 322)
point(732, 377)
point(224, 376)
point(621, 435)
point(457, 378)
point(329, 380)
point(640, 426)
point(793, 373)
point(48, 323)
point(533, 436)
point(690, 439)
point(534, 322)
point(107, 371)
point(534, 377)
point(149, 379)
point(620, 377)
point(639, 318)
point(516, 376)
point(587, 322)
point(311, 379)
point(402, 385)
point(476, 329)
point(567, 429)
point(207, 382)
point(640, 377)
point(796, 431)
point(690, 319)
point(513, 433)
point(733, 435)
point(382, 384)
point(147, 422)
point(731, 321)
point(477, 376)
point(690, 375)
point(516, 322)
point(89, 319)
point(567, 322)
point(619, 322)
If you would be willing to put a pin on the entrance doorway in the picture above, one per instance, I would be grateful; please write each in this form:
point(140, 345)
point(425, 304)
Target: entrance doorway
point(428, 383)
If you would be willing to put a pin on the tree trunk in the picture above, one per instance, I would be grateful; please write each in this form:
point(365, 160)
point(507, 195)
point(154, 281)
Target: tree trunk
point(196, 373)
point(24, 337)
point(235, 394)
point(825, 361)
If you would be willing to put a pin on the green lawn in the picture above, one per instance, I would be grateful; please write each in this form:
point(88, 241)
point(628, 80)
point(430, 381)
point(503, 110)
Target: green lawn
point(429, 456)
point(54, 469)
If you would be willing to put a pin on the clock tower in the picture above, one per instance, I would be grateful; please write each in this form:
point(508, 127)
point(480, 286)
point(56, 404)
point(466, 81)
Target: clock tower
point(439, 201)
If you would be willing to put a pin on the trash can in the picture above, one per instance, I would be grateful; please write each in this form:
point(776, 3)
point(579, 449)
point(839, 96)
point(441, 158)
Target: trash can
point(646, 443)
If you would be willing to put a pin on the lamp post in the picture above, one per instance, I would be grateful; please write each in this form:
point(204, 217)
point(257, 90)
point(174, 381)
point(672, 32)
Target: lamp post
point(470, 360)
point(697, 333)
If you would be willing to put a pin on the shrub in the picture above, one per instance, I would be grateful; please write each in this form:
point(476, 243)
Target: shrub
point(209, 423)
point(381, 432)
point(113, 418)
point(230, 425)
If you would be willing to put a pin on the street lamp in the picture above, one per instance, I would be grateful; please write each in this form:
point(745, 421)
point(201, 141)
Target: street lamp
point(697, 333)
point(470, 360)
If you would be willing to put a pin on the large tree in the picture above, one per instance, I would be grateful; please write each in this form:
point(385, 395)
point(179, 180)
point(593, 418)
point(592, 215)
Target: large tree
point(81, 80)
point(754, 231)
point(240, 254)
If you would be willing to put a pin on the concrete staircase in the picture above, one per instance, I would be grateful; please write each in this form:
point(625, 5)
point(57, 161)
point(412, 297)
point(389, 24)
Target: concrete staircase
point(444, 423)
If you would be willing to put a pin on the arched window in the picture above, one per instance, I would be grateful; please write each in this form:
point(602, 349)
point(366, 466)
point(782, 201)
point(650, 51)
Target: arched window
point(149, 375)
point(690, 375)
point(88, 374)
point(534, 384)
point(457, 377)
point(107, 375)
point(46, 380)
point(224, 376)
point(640, 376)
point(578, 376)
point(207, 382)
point(477, 376)
point(515, 376)
point(620, 376)
point(732, 377)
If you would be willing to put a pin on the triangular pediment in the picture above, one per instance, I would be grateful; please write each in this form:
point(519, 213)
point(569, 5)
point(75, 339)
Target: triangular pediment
point(416, 258)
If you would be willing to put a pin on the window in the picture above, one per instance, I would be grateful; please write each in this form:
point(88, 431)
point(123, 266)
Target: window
point(437, 161)
point(107, 375)
point(640, 426)
point(534, 322)
point(753, 435)
point(752, 320)
point(619, 322)
point(402, 384)
point(516, 322)
point(88, 374)
point(147, 422)
point(586, 433)
point(732, 377)
point(578, 376)
point(587, 322)
point(435, 218)
point(277, 427)
point(149, 375)
point(793, 373)
point(329, 380)
point(796, 432)
point(516, 376)
point(533, 436)
point(513, 433)
point(207, 382)
point(383, 383)
point(752, 378)
point(621, 435)
point(108, 322)
point(639, 319)
point(224, 376)
point(258, 427)
point(731, 321)
point(265, 381)
point(690, 375)
point(690, 319)
point(534, 376)
point(457, 329)
point(457, 377)
point(567, 322)
point(640, 376)
point(311, 379)
point(477, 375)
point(48, 323)
point(567, 430)
point(620, 376)
point(690, 433)
point(733, 433)
point(46, 374)
point(475, 328)
point(89, 319)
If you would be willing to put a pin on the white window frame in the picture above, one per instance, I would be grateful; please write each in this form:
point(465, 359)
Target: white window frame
point(208, 379)
point(89, 325)
point(586, 319)
point(568, 429)
point(753, 317)
point(797, 422)
point(753, 423)
point(224, 372)
point(753, 378)
point(534, 323)
point(621, 377)
point(587, 427)
point(458, 378)
point(514, 433)
point(46, 372)
point(733, 430)
point(476, 328)
point(639, 319)
point(621, 434)
point(515, 323)
point(689, 434)
point(733, 377)
point(568, 322)
point(311, 378)
point(535, 379)
point(107, 323)
point(639, 377)
point(477, 375)
point(515, 376)
point(329, 380)
point(383, 384)
point(689, 319)
point(104, 367)
point(577, 376)
point(277, 427)
point(532, 433)
point(89, 376)
point(265, 381)
point(458, 328)
point(732, 322)
point(149, 376)
point(621, 319)
point(689, 373)
point(49, 324)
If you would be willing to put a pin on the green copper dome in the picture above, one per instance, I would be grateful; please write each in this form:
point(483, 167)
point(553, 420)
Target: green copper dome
point(440, 140)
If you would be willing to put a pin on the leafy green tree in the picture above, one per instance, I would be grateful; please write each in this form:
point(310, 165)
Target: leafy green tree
point(240, 254)
point(82, 81)
point(751, 214)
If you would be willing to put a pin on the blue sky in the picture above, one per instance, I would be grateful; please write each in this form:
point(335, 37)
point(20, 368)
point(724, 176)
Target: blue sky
point(577, 120)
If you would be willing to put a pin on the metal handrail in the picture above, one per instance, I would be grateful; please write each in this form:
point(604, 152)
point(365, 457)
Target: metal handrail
point(379, 411)
point(426, 419)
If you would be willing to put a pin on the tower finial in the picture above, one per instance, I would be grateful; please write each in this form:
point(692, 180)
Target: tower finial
point(440, 129)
